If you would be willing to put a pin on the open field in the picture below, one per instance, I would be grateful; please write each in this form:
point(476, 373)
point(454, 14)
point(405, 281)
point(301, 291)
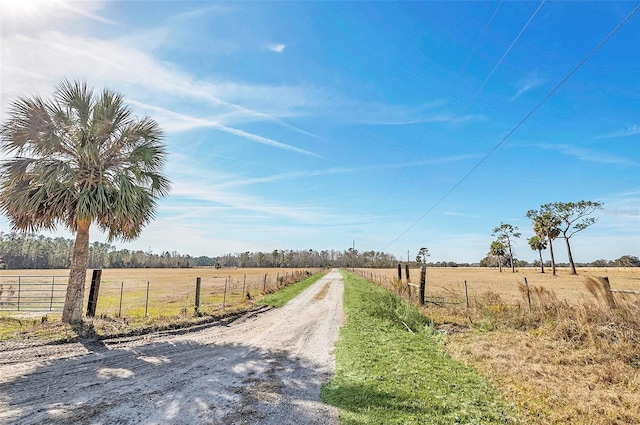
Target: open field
point(448, 282)
point(170, 302)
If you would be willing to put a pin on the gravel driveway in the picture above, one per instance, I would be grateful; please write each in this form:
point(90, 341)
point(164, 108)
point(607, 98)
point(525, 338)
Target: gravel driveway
point(265, 368)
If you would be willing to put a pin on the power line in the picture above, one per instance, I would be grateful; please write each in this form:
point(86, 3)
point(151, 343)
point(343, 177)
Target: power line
point(526, 117)
point(447, 93)
point(486, 80)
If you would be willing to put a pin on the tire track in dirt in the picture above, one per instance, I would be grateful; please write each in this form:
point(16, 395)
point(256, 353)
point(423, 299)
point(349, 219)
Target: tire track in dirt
point(265, 369)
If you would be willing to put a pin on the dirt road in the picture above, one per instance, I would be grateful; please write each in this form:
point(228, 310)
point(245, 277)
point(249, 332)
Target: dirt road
point(262, 369)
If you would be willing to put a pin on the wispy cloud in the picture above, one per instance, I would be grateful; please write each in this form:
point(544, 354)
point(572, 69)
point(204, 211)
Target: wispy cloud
point(459, 214)
point(204, 193)
point(27, 17)
point(443, 118)
point(276, 47)
point(530, 82)
point(246, 181)
point(375, 113)
point(629, 131)
point(80, 9)
point(120, 65)
point(173, 121)
point(586, 154)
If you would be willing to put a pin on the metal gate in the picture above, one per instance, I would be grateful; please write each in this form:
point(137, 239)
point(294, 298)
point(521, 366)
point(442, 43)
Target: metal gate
point(32, 293)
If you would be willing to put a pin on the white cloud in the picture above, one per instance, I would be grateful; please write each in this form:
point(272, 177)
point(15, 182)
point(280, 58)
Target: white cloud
point(528, 83)
point(27, 16)
point(629, 131)
point(587, 154)
point(173, 121)
point(205, 193)
point(121, 65)
point(245, 181)
point(277, 48)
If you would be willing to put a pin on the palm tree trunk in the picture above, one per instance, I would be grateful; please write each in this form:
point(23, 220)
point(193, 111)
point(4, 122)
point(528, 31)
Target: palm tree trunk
point(72, 311)
point(571, 263)
point(553, 260)
point(541, 262)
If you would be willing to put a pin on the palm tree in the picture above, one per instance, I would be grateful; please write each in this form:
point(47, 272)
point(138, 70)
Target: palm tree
point(545, 226)
point(497, 249)
point(80, 158)
point(538, 244)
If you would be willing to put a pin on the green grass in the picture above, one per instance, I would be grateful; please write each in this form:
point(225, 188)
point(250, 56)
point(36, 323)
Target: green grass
point(391, 368)
point(286, 294)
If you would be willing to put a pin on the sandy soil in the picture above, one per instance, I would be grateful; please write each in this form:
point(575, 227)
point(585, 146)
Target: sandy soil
point(265, 368)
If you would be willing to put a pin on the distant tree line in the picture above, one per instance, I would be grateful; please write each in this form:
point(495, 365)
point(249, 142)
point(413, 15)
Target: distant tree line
point(33, 251)
point(309, 258)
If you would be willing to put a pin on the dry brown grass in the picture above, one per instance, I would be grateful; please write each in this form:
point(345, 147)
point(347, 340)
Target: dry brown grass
point(449, 281)
point(567, 359)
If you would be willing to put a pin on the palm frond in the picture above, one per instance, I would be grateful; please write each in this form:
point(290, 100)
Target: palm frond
point(82, 157)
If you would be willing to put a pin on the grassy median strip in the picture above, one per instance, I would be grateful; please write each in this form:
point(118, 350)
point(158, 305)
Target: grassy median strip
point(286, 294)
point(391, 369)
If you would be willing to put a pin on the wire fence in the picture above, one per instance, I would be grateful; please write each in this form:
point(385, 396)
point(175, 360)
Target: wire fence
point(161, 292)
point(465, 286)
point(202, 295)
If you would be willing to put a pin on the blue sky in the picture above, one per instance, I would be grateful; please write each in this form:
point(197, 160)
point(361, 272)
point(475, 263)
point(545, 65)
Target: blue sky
point(311, 125)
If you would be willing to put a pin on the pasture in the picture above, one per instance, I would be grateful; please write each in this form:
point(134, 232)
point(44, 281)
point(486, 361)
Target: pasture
point(146, 296)
point(448, 282)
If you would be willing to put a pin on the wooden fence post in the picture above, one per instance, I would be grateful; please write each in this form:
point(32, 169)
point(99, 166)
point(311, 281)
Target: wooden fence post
point(608, 295)
point(526, 285)
point(224, 297)
point(406, 267)
point(121, 291)
point(146, 304)
point(244, 285)
point(197, 306)
point(423, 282)
point(466, 293)
point(400, 272)
point(96, 277)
